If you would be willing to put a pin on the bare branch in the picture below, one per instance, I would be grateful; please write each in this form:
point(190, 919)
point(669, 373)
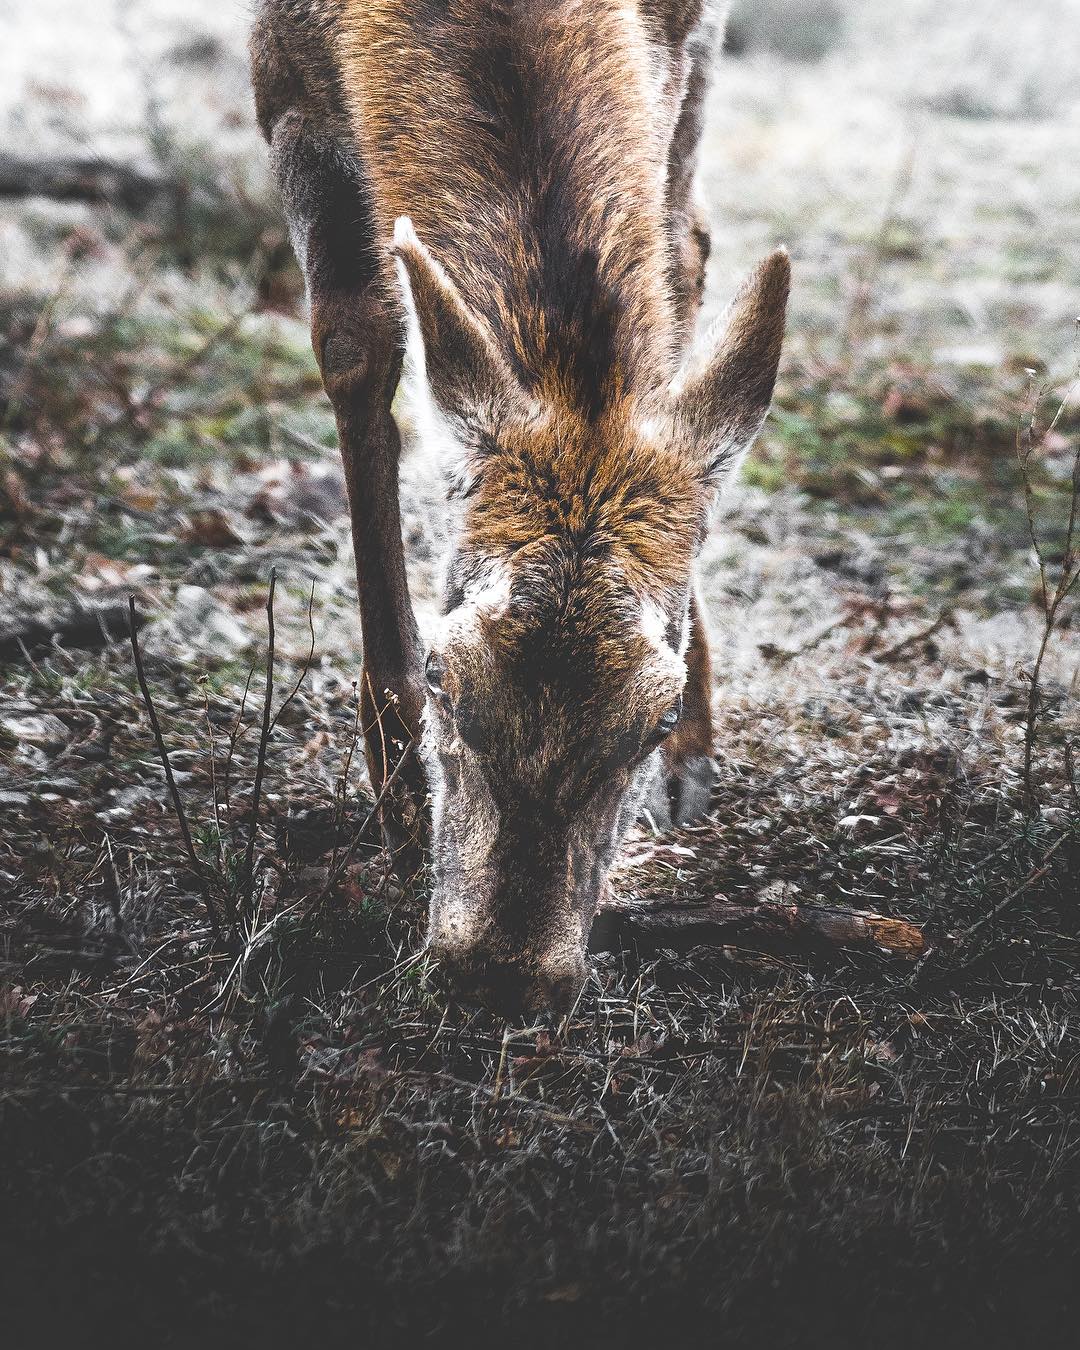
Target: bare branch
point(264, 741)
point(174, 791)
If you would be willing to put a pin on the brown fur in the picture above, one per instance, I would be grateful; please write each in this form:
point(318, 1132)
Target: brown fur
point(544, 152)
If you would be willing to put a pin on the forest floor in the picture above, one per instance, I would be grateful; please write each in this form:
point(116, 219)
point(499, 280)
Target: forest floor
point(288, 1137)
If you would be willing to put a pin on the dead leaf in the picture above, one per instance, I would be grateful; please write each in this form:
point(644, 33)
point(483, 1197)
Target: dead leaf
point(565, 1293)
point(15, 1002)
point(13, 500)
point(212, 528)
point(110, 574)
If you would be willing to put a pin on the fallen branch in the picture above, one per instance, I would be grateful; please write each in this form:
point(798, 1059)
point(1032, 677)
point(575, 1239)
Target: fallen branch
point(84, 630)
point(87, 178)
point(766, 925)
point(905, 644)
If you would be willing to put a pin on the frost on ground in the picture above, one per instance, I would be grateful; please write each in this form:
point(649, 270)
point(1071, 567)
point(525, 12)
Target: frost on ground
point(285, 1136)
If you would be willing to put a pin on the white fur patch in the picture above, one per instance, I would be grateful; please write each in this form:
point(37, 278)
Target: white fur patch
point(457, 926)
point(668, 671)
point(684, 641)
point(488, 596)
point(415, 382)
point(654, 627)
point(440, 438)
point(654, 624)
point(491, 591)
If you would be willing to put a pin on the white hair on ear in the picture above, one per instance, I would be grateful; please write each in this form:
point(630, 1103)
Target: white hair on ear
point(654, 623)
point(438, 435)
point(416, 381)
point(670, 663)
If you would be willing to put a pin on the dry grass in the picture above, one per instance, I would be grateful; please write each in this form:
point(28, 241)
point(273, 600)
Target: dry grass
point(285, 1136)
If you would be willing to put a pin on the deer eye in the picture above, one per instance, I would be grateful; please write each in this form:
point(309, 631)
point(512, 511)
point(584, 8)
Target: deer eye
point(668, 722)
point(435, 673)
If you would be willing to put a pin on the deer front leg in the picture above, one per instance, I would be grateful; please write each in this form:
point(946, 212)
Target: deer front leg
point(357, 342)
point(357, 345)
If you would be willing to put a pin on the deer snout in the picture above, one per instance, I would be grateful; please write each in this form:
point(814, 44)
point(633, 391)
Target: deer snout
point(510, 986)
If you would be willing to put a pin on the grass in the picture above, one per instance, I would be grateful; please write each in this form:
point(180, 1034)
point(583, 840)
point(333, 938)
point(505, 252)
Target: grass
point(288, 1137)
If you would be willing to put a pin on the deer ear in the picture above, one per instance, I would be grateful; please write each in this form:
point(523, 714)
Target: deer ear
point(722, 399)
point(466, 375)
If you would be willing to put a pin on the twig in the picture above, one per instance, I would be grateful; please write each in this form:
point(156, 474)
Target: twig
point(1071, 778)
point(898, 649)
point(174, 791)
point(771, 652)
point(213, 776)
point(264, 740)
point(341, 789)
point(855, 327)
point(38, 339)
point(1027, 443)
point(1014, 895)
point(303, 442)
point(307, 661)
point(234, 736)
point(378, 721)
point(339, 870)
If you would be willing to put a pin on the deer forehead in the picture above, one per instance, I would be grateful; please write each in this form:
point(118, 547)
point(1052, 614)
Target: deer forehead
point(636, 638)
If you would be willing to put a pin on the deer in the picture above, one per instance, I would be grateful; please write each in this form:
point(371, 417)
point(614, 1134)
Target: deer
point(495, 202)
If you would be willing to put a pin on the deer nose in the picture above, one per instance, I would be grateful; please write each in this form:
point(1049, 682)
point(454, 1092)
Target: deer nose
point(512, 988)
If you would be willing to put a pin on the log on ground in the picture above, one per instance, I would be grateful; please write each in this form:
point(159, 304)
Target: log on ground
point(774, 926)
point(85, 178)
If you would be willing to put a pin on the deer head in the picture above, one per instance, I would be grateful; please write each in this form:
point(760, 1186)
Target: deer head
point(557, 669)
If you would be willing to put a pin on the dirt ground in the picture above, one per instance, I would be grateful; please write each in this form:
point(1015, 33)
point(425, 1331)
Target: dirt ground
point(287, 1136)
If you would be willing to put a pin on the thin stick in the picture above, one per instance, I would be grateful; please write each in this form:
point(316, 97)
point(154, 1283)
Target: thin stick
point(307, 662)
point(771, 652)
point(341, 798)
point(264, 737)
point(898, 649)
point(234, 736)
point(1070, 779)
point(213, 775)
point(1027, 444)
point(388, 783)
point(174, 791)
point(873, 262)
point(378, 720)
point(1014, 895)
